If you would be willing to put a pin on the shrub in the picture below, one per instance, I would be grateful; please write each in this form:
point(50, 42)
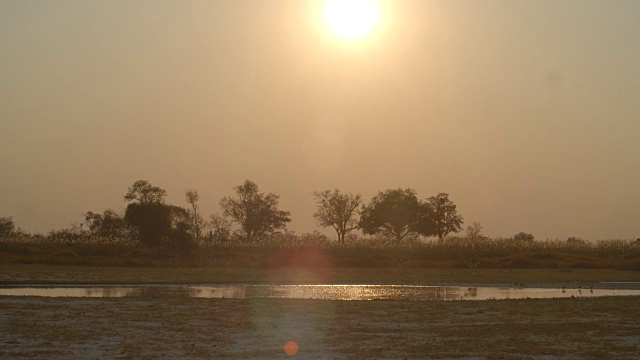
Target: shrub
point(522, 236)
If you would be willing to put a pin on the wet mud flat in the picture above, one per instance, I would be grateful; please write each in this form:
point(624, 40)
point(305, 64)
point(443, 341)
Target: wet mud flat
point(134, 328)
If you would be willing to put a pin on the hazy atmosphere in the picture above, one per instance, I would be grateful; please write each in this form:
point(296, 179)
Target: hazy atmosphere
point(525, 113)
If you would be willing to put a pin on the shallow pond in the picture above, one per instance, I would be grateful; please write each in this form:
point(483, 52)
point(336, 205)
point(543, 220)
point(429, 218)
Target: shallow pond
point(320, 292)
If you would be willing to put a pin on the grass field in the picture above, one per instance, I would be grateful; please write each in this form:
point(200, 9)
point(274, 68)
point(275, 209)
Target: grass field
point(598, 328)
point(316, 250)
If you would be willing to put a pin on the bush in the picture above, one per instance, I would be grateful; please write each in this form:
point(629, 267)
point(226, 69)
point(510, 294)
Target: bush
point(181, 250)
point(522, 236)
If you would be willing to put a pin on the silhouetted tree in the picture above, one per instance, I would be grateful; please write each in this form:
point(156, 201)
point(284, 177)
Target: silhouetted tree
point(180, 236)
point(157, 223)
point(574, 240)
point(160, 224)
point(145, 193)
point(195, 219)
point(257, 213)
point(107, 224)
point(220, 226)
point(7, 226)
point(444, 215)
point(153, 221)
point(395, 213)
point(337, 210)
point(523, 236)
point(474, 231)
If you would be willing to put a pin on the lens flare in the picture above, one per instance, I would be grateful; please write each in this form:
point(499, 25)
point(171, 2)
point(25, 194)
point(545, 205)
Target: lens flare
point(291, 348)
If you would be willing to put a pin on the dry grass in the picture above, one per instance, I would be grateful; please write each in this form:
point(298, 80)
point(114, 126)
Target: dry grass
point(55, 274)
point(317, 250)
point(215, 328)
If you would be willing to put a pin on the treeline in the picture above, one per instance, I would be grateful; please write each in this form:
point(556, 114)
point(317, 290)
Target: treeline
point(251, 215)
point(251, 231)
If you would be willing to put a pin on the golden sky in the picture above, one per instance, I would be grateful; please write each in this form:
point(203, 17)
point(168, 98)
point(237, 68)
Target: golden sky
point(525, 112)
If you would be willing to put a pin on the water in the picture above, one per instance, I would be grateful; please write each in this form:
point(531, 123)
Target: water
point(319, 292)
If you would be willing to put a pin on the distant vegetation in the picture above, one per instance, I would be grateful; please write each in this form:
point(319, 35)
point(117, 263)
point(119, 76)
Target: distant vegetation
point(399, 228)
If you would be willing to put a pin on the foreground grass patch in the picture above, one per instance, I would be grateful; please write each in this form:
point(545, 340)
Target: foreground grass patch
point(53, 274)
point(213, 328)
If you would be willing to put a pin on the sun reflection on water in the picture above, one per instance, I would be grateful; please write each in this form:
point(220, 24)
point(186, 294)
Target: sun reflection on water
point(312, 292)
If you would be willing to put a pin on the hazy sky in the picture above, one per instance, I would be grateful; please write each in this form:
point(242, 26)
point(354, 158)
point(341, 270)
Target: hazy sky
point(525, 112)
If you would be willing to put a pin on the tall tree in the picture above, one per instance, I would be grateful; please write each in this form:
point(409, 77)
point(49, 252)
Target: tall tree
point(180, 236)
point(153, 221)
point(107, 224)
point(157, 223)
point(257, 213)
point(444, 215)
point(160, 224)
point(145, 193)
point(395, 213)
point(337, 210)
point(195, 219)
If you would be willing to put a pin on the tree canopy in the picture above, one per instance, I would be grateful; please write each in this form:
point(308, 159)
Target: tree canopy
point(523, 236)
point(107, 224)
point(153, 221)
point(337, 210)
point(444, 215)
point(195, 218)
point(257, 213)
point(145, 193)
point(7, 225)
point(157, 223)
point(395, 213)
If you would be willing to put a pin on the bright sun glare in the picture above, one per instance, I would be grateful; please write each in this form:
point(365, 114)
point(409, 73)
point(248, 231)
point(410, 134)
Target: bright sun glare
point(351, 19)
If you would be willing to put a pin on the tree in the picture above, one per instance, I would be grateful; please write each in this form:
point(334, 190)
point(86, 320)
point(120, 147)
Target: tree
point(523, 236)
point(395, 213)
point(157, 223)
point(574, 240)
point(7, 226)
point(220, 226)
point(338, 211)
point(180, 235)
point(160, 224)
point(474, 231)
point(257, 213)
point(444, 215)
point(145, 193)
point(195, 219)
point(153, 221)
point(107, 224)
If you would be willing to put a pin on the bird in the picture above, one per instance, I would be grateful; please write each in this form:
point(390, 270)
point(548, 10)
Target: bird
point(563, 289)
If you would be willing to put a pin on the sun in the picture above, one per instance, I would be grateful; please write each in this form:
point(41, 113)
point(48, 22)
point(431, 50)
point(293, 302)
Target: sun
point(351, 19)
